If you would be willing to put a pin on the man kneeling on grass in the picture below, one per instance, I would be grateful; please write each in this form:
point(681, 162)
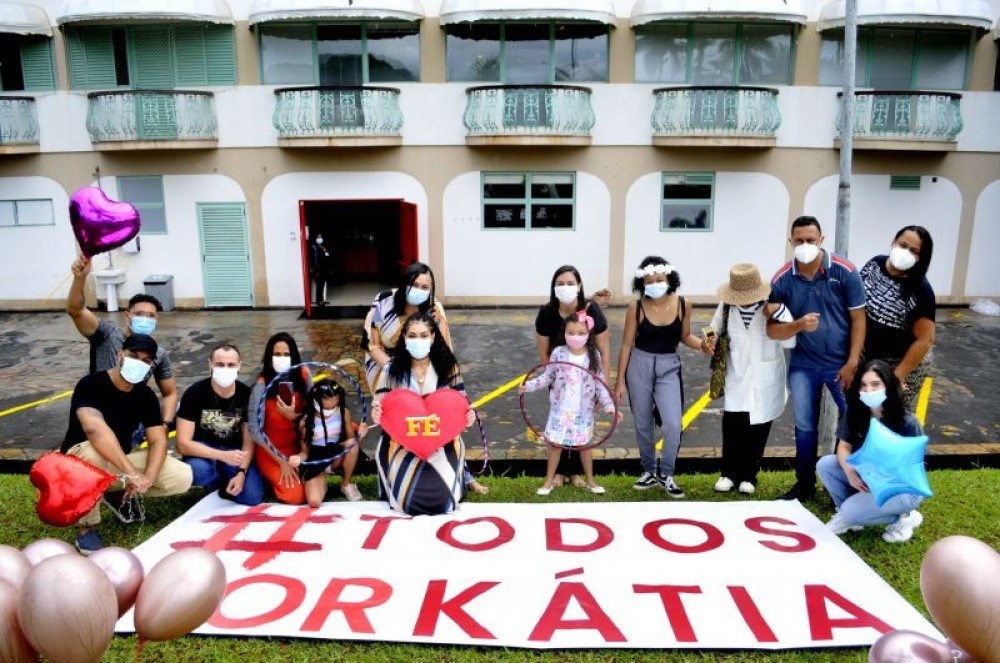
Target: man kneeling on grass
point(106, 409)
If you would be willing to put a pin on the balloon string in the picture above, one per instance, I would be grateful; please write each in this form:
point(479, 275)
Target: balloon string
point(58, 285)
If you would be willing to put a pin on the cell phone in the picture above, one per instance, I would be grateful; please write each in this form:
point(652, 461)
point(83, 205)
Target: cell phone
point(286, 391)
point(709, 334)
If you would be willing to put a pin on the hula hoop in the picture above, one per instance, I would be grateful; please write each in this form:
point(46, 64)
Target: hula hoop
point(278, 378)
point(540, 434)
point(486, 445)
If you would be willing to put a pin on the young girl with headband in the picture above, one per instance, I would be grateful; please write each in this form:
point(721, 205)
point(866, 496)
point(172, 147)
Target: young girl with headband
point(572, 397)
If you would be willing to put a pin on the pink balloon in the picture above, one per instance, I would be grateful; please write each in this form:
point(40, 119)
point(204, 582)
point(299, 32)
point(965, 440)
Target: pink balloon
point(959, 655)
point(68, 610)
point(179, 594)
point(40, 550)
point(99, 223)
point(14, 567)
point(14, 647)
point(908, 647)
point(125, 572)
point(960, 581)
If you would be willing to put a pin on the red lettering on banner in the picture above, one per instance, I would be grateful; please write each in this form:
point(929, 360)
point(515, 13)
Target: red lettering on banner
point(552, 619)
point(505, 533)
point(554, 538)
point(354, 611)
point(821, 625)
point(434, 605)
point(295, 592)
point(381, 526)
point(670, 596)
point(803, 542)
point(713, 536)
point(751, 614)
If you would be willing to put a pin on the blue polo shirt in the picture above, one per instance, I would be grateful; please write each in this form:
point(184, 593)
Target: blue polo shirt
point(833, 293)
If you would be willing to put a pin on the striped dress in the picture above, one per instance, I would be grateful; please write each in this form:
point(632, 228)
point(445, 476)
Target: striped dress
point(383, 327)
point(411, 485)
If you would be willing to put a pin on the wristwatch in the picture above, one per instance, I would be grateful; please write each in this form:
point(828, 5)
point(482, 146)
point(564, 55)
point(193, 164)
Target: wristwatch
point(242, 471)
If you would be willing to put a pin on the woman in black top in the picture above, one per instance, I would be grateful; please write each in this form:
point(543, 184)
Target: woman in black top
point(649, 366)
point(565, 298)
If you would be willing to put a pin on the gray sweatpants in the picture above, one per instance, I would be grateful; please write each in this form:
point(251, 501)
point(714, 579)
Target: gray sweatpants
point(655, 378)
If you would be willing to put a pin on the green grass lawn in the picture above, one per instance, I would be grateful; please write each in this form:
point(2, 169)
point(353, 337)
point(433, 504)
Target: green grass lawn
point(965, 502)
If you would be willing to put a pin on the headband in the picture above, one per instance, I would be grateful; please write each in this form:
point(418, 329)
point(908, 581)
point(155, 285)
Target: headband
point(652, 270)
point(582, 316)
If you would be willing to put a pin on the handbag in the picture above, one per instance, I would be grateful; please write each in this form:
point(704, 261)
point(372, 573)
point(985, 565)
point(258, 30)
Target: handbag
point(717, 384)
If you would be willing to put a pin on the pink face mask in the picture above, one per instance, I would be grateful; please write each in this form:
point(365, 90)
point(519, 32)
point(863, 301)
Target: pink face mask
point(577, 342)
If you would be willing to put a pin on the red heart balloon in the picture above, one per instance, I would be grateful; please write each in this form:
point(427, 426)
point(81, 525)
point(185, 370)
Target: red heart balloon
point(99, 223)
point(424, 424)
point(68, 487)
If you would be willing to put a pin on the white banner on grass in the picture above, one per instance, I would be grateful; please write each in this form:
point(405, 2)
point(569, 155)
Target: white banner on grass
point(742, 575)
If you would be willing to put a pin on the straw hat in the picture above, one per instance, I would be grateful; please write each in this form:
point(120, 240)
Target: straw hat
point(745, 286)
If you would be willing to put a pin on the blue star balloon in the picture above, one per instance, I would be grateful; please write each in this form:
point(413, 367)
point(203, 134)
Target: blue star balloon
point(891, 464)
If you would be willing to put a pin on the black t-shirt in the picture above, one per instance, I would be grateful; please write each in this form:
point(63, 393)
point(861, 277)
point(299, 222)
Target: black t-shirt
point(218, 421)
point(549, 323)
point(891, 313)
point(123, 411)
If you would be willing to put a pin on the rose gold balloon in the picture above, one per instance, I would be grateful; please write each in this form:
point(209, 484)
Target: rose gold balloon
point(68, 610)
point(902, 646)
point(960, 581)
point(14, 566)
point(42, 549)
point(14, 647)
point(179, 594)
point(125, 572)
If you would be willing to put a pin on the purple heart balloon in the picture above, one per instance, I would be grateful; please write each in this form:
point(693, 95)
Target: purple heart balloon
point(99, 223)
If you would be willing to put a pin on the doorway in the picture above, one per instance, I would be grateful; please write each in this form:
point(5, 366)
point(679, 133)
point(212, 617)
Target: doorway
point(351, 250)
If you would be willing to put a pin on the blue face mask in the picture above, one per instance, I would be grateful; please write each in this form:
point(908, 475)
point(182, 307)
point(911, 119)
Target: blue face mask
point(133, 370)
point(655, 290)
point(141, 325)
point(418, 347)
point(872, 399)
point(416, 296)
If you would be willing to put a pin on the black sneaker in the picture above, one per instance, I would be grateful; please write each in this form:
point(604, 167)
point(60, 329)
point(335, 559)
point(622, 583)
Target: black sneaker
point(800, 492)
point(672, 488)
point(646, 481)
point(126, 508)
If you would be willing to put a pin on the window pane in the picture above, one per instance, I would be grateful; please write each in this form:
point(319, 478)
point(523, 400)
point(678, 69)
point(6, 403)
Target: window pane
point(581, 52)
point(686, 216)
point(473, 52)
point(552, 186)
point(713, 59)
point(339, 51)
point(682, 191)
point(551, 216)
point(393, 52)
point(504, 186)
point(286, 53)
point(7, 217)
point(661, 53)
point(153, 218)
point(141, 189)
point(10, 63)
point(767, 55)
point(34, 213)
point(891, 59)
point(831, 59)
point(504, 216)
point(942, 60)
point(527, 53)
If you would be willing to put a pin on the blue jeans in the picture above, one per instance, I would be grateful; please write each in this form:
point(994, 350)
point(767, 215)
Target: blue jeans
point(806, 384)
point(860, 508)
point(214, 474)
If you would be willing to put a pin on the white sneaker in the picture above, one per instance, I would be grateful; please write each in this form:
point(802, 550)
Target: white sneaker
point(902, 530)
point(838, 525)
point(351, 492)
point(672, 488)
point(747, 488)
point(723, 485)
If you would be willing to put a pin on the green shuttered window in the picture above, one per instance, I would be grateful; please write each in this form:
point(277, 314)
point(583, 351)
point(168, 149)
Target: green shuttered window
point(36, 64)
point(153, 57)
point(225, 253)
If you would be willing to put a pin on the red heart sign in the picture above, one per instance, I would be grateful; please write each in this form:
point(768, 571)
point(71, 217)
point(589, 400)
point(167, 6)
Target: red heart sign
point(68, 487)
point(423, 425)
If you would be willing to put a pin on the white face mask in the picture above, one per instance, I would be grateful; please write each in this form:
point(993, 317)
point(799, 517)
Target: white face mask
point(418, 347)
point(901, 258)
point(806, 253)
point(655, 290)
point(134, 370)
point(872, 399)
point(416, 296)
point(567, 294)
point(281, 364)
point(224, 377)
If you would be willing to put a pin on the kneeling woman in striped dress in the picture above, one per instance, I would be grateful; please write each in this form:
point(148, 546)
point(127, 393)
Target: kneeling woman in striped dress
point(423, 363)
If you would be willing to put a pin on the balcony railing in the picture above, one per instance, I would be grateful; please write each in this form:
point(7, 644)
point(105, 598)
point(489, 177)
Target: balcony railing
point(332, 112)
point(129, 116)
point(18, 121)
point(520, 111)
point(908, 115)
point(712, 111)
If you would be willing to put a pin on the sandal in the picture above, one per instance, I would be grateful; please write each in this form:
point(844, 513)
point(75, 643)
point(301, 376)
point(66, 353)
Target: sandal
point(578, 481)
point(543, 491)
point(595, 489)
